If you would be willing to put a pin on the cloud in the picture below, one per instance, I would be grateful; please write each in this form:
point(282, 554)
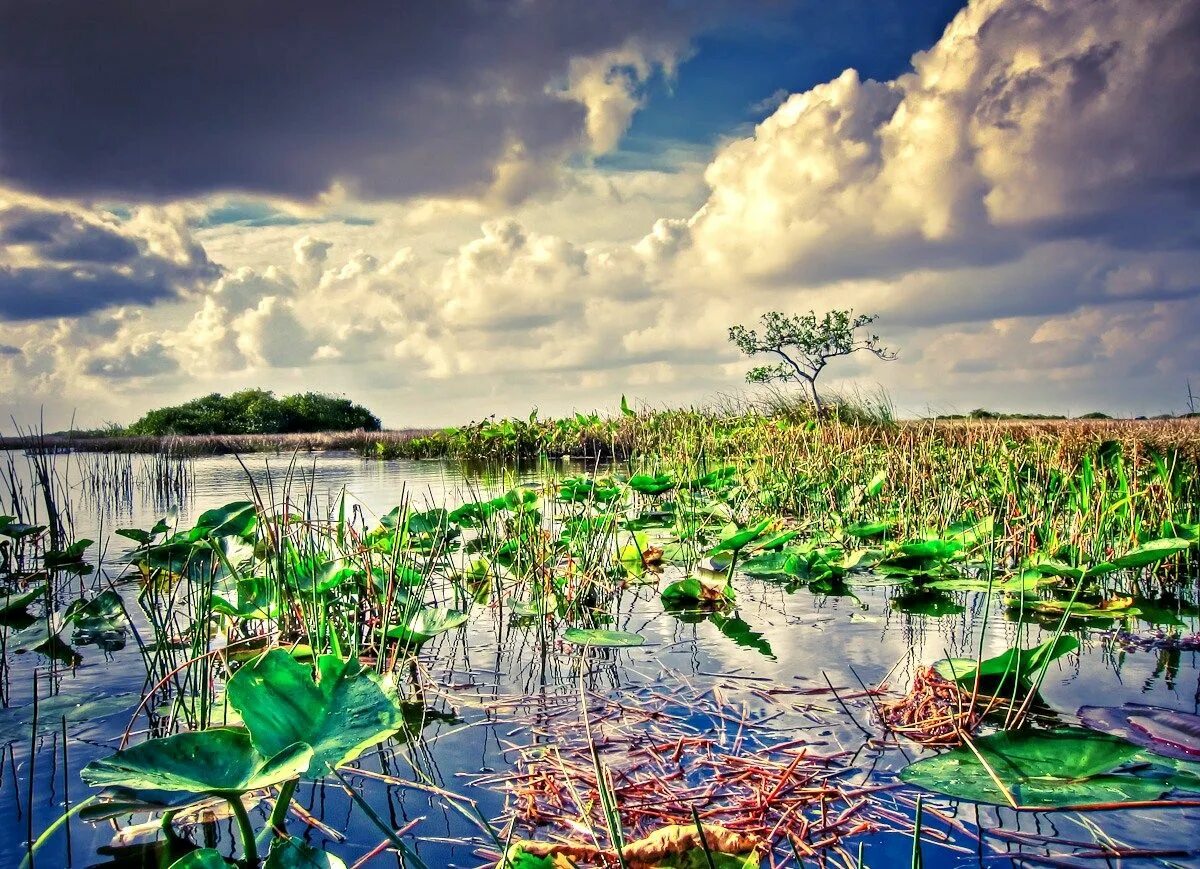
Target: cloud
point(58, 259)
point(1027, 121)
point(1020, 207)
point(292, 99)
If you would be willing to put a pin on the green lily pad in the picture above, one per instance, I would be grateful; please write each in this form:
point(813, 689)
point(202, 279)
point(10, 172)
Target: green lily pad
point(998, 672)
point(1151, 553)
point(15, 603)
point(1067, 767)
point(601, 637)
point(294, 853)
point(201, 858)
point(427, 623)
point(221, 760)
point(768, 564)
point(346, 709)
point(741, 539)
point(694, 590)
point(651, 484)
point(869, 529)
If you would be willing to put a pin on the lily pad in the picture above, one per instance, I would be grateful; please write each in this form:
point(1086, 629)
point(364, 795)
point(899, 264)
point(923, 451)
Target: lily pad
point(1067, 767)
point(694, 589)
point(601, 637)
point(1151, 553)
point(347, 708)
point(999, 672)
point(221, 760)
point(295, 853)
point(427, 623)
point(1163, 731)
point(741, 539)
point(16, 603)
point(201, 858)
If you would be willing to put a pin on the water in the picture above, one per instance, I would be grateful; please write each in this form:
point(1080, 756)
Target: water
point(499, 687)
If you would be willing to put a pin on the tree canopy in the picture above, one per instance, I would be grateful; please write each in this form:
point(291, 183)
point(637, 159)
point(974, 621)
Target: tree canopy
point(257, 411)
point(806, 343)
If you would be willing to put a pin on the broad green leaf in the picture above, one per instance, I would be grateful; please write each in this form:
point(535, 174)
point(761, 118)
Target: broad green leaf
point(743, 538)
point(104, 612)
point(783, 563)
point(1066, 767)
point(970, 532)
point(13, 603)
point(422, 626)
point(600, 637)
point(201, 858)
point(294, 853)
point(1015, 663)
point(1151, 553)
point(869, 529)
point(237, 519)
point(220, 760)
point(651, 484)
point(695, 589)
point(17, 530)
point(347, 708)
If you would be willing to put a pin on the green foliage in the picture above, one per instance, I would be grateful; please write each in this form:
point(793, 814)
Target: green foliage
point(600, 637)
point(221, 760)
point(805, 343)
point(256, 411)
point(1066, 767)
point(344, 710)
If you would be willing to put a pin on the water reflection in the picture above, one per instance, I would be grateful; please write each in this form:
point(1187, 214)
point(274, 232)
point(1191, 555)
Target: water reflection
point(508, 681)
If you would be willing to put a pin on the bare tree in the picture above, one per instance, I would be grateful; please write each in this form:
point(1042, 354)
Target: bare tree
point(806, 343)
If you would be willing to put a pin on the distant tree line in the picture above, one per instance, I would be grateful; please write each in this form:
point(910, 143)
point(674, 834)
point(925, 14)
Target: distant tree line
point(257, 411)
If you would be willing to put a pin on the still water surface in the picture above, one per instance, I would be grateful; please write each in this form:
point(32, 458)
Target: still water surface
point(494, 676)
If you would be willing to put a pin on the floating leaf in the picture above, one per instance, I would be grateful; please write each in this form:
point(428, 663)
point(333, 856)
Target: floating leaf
point(295, 853)
point(201, 858)
point(998, 672)
point(695, 589)
point(651, 484)
point(741, 539)
point(16, 603)
point(1066, 767)
point(427, 623)
point(1151, 553)
point(1163, 731)
point(220, 760)
point(16, 722)
point(347, 708)
point(600, 637)
point(869, 529)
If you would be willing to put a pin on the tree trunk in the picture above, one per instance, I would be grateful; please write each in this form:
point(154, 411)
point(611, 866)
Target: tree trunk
point(816, 399)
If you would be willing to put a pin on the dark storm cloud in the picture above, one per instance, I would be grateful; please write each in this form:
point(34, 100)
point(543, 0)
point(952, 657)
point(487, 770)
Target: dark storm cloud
point(34, 293)
point(59, 260)
point(64, 237)
point(155, 100)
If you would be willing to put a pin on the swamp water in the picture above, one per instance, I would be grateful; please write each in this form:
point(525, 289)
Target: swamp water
point(780, 678)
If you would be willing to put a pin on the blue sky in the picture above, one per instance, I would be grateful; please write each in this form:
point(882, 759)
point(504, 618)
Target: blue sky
point(737, 67)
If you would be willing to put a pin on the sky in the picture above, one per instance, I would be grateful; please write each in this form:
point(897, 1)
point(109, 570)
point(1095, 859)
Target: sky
point(455, 209)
